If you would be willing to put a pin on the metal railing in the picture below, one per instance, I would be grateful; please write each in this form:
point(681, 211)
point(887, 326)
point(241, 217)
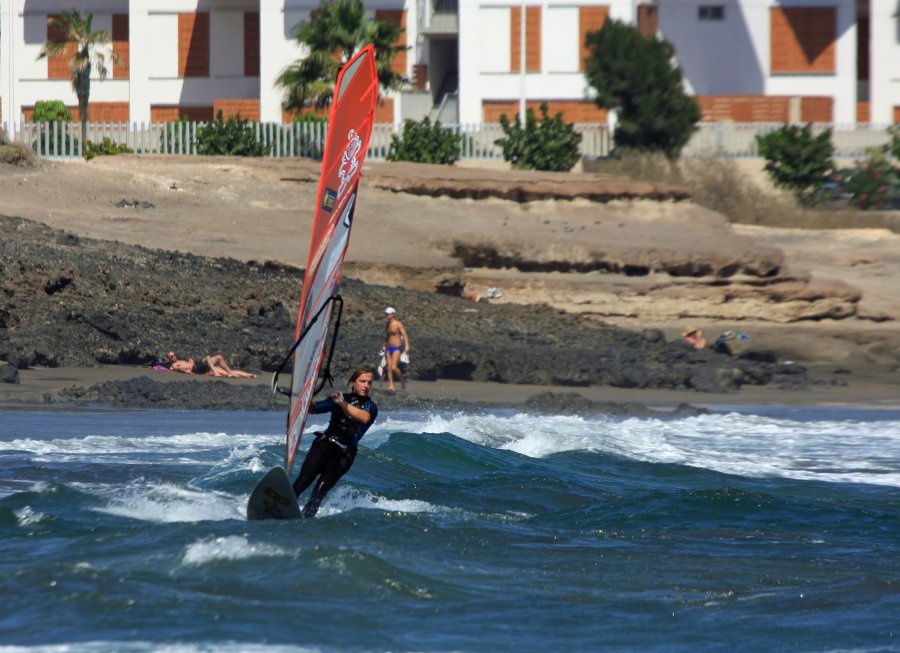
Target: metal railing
point(59, 140)
point(723, 140)
point(737, 140)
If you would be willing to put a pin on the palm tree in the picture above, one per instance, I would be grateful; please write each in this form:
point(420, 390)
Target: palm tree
point(72, 27)
point(334, 33)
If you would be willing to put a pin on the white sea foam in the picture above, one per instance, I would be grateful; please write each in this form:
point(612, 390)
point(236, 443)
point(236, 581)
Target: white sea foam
point(165, 503)
point(131, 646)
point(232, 547)
point(132, 450)
point(344, 498)
point(28, 516)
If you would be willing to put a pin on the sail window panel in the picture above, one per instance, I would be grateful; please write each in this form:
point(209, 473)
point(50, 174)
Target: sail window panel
point(561, 55)
point(493, 43)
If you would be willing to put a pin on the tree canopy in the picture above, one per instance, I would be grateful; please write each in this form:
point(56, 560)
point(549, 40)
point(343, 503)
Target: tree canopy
point(72, 28)
point(636, 76)
point(332, 35)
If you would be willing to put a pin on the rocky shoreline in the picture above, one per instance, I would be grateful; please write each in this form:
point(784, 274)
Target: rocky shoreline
point(67, 300)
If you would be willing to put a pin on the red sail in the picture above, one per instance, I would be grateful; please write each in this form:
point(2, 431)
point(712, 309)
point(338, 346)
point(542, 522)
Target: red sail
point(349, 131)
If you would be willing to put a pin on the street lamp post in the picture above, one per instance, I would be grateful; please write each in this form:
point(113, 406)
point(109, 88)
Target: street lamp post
point(522, 64)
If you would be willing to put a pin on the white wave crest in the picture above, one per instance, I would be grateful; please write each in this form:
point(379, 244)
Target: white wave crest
point(232, 547)
point(831, 450)
point(165, 503)
point(27, 516)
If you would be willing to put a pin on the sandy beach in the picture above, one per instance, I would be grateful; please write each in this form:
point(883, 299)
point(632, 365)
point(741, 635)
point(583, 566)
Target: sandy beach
point(830, 304)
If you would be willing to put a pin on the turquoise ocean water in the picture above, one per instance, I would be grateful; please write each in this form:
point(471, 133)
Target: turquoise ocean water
point(759, 530)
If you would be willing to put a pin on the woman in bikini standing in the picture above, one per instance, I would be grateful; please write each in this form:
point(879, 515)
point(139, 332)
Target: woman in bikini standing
point(395, 341)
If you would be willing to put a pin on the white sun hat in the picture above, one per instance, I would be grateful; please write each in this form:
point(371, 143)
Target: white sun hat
point(390, 310)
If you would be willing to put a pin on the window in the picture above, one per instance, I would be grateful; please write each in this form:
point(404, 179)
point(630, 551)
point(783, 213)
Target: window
point(711, 12)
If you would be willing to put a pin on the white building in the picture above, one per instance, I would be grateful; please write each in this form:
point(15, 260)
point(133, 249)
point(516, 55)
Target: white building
point(745, 60)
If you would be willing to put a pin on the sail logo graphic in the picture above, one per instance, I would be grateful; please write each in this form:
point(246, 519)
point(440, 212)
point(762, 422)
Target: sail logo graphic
point(329, 200)
point(349, 162)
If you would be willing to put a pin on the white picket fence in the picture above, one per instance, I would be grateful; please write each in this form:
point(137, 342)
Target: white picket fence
point(723, 140)
point(58, 140)
point(736, 140)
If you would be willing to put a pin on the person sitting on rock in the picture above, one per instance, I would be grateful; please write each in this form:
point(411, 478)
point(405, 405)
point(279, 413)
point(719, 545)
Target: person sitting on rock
point(214, 365)
point(694, 337)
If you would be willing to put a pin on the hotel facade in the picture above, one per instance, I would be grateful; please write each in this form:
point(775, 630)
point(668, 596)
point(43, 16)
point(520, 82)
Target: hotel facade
point(468, 61)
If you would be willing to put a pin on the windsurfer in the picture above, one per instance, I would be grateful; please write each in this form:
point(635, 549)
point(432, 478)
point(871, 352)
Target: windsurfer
point(395, 341)
point(332, 453)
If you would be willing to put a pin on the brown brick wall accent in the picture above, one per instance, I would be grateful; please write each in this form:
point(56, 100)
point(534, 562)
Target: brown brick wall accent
point(863, 112)
point(590, 19)
point(251, 44)
point(58, 64)
point(744, 108)
point(98, 112)
point(193, 45)
point(105, 112)
point(763, 108)
point(648, 20)
point(169, 113)
point(572, 110)
point(247, 109)
point(396, 17)
point(803, 39)
point(896, 115)
point(121, 64)
point(290, 116)
point(532, 39)
point(816, 109)
point(384, 110)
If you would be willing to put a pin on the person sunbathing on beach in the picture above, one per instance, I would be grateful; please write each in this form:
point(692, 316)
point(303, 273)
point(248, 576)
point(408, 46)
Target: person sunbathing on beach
point(694, 337)
point(214, 365)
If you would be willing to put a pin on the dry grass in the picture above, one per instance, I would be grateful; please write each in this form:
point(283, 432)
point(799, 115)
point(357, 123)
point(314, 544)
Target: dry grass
point(725, 187)
point(16, 154)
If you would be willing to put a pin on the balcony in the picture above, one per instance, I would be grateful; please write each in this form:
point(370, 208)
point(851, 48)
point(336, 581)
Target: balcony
point(443, 20)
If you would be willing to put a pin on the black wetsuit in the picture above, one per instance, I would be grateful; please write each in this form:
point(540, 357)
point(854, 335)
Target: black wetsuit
point(332, 453)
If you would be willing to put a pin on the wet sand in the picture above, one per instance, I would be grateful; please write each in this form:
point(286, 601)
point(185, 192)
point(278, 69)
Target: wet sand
point(40, 388)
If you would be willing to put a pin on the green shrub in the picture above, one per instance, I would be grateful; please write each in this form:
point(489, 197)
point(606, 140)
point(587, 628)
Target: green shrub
point(104, 148)
point(797, 160)
point(50, 118)
point(51, 111)
point(871, 184)
point(232, 137)
point(424, 142)
point(550, 144)
point(893, 148)
point(635, 76)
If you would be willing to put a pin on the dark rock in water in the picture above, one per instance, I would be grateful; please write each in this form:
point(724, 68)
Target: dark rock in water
point(9, 374)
